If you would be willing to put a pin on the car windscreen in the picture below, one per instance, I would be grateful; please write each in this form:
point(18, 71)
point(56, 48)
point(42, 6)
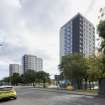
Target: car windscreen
point(6, 89)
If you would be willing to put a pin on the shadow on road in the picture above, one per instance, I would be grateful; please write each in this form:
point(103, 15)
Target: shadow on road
point(6, 100)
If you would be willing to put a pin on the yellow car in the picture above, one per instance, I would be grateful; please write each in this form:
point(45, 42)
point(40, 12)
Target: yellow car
point(7, 92)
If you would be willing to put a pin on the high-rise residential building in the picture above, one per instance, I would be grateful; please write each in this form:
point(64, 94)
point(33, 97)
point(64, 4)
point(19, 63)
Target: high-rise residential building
point(15, 68)
point(31, 62)
point(39, 64)
point(77, 36)
point(20, 69)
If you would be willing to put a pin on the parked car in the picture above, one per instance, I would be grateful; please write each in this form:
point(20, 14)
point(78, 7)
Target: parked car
point(7, 92)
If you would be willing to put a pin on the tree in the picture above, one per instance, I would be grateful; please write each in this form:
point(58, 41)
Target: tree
point(74, 68)
point(43, 77)
point(6, 79)
point(29, 77)
point(100, 64)
point(93, 69)
point(15, 79)
point(101, 31)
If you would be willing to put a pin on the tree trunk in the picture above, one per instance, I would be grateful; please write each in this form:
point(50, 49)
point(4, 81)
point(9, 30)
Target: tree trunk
point(79, 83)
point(93, 84)
point(44, 85)
point(74, 84)
point(89, 85)
point(85, 83)
point(33, 84)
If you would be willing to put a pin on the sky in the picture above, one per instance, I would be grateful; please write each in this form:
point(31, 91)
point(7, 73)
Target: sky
point(32, 27)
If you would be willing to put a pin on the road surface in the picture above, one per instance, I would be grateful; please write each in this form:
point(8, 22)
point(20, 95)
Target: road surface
point(31, 96)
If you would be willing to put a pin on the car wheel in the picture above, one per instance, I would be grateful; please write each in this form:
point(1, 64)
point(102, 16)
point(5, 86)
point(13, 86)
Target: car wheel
point(15, 98)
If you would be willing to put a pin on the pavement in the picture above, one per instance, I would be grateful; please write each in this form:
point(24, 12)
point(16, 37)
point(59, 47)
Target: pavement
point(33, 96)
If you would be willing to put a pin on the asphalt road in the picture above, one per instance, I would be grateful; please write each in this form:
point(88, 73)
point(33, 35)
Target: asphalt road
point(30, 96)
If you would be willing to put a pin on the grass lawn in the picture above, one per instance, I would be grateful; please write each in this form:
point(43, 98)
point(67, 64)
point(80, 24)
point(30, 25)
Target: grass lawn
point(95, 91)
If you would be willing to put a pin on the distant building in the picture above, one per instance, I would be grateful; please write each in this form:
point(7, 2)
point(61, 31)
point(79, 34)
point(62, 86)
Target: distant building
point(57, 77)
point(20, 69)
point(39, 64)
point(15, 68)
point(31, 62)
point(77, 36)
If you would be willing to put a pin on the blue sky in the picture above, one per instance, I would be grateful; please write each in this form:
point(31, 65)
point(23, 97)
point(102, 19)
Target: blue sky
point(32, 27)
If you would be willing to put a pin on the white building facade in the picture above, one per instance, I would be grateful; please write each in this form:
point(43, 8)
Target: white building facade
point(15, 68)
point(31, 62)
point(39, 64)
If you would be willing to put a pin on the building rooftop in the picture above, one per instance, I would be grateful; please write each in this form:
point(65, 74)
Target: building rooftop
point(78, 14)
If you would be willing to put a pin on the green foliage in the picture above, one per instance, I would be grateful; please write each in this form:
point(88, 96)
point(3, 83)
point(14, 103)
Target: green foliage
point(35, 77)
point(6, 79)
point(73, 66)
point(43, 77)
point(101, 31)
point(15, 79)
point(29, 76)
point(93, 68)
point(76, 67)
